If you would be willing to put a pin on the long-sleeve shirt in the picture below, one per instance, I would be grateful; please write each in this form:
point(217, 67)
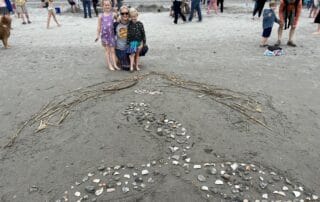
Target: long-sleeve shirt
point(269, 17)
point(136, 32)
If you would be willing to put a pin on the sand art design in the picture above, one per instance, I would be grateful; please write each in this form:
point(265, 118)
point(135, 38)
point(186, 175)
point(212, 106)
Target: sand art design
point(231, 181)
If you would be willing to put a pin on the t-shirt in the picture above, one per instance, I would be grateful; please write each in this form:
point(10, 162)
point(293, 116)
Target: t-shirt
point(121, 34)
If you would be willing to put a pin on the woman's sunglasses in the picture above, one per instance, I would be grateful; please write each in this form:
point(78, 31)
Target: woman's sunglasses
point(124, 13)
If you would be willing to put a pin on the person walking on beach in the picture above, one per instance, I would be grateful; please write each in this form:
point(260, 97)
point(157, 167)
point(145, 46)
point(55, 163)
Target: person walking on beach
point(51, 13)
point(195, 5)
point(177, 11)
point(289, 13)
point(105, 30)
point(269, 17)
point(258, 7)
point(220, 2)
point(73, 6)
point(212, 5)
point(22, 9)
point(317, 21)
point(95, 4)
point(136, 38)
point(87, 8)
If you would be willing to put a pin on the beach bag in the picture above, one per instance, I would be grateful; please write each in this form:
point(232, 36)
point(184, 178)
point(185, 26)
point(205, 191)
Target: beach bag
point(144, 50)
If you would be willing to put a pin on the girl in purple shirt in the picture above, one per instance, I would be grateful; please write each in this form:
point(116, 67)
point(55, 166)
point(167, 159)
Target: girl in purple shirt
point(106, 32)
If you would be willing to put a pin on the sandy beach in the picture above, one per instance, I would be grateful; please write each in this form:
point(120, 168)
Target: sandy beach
point(253, 119)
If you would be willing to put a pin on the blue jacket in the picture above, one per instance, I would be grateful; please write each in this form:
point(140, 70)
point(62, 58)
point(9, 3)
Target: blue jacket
point(269, 17)
point(9, 6)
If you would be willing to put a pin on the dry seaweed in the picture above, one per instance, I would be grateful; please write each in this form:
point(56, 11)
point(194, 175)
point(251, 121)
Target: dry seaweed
point(58, 109)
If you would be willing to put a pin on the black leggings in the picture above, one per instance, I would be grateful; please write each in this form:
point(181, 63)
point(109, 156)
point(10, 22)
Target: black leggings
point(177, 11)
point(221, 5)
point(94, 4)
point(258, 7)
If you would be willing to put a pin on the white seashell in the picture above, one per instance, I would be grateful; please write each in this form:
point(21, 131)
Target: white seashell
point(261, 178)
point(196, 166)
point(126, 176)
point(117, 167)
point(315, 197)
point(125, 189)
point(96, 180)
point(111, 190)
point(116, 173)
point(134, 174)
point(77, 193)
point(90, 174)
point(296, 193)
point(234, 166)
point(219, 182)
point(188, 160)
point(143, 185)
point(144, 172)
point(175, 162)
point(265, 196)
point(237, 186)
point(148, 165)
point(204, 188)
point(301, 188)
point(118, 183)
point(280, 193)
point(99, 191)
point(284, 188)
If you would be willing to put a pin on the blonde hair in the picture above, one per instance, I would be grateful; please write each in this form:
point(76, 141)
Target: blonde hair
point(133, 11)
point(103, 2)
point(124, 7)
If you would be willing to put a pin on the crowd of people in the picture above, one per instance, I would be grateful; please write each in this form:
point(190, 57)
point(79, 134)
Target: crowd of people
point(123, 37)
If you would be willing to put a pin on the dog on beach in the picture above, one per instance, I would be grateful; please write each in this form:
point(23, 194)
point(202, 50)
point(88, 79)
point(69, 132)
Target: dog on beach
point(5, 26)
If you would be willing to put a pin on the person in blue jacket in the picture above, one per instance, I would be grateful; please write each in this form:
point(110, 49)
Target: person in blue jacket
point(269, 18)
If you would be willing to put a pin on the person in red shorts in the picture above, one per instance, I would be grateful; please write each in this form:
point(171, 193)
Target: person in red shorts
point(289, 13)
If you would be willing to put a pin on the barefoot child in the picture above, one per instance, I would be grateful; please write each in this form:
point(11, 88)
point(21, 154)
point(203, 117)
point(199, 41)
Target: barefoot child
point(106, 31)
point(269, 17)
point(51, 13)
point(136, 38)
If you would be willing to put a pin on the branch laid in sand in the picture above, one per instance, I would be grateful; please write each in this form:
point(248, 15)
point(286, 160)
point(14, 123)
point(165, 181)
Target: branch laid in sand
point(59, 108)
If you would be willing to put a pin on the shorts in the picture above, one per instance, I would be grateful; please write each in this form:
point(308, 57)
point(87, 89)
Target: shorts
point(267, 32)
point(4, 11)
point(133, 47)
point(22, 9)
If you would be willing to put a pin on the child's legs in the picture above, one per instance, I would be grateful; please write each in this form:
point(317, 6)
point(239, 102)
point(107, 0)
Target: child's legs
point(54, 18)
point(131, 56)
point(49, 18)
point(113, 57)
point(264, 40)
point(137, 56)
point(107, 53)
